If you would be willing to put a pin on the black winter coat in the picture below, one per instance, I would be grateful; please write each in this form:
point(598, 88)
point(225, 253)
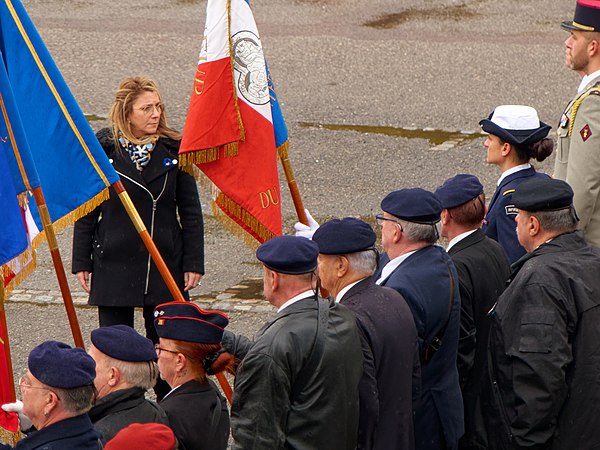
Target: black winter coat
point(297, 385)
point(106, 243)
point(391, 359)
point(198, 416)
point(544, 351)
point(121, 408)
point(483, 268)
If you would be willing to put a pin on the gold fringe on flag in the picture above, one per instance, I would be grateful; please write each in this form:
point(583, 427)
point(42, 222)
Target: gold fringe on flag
point(188, 159)
point(20, 276)
point(10, 438)
point(243, 216)
point(74, 215)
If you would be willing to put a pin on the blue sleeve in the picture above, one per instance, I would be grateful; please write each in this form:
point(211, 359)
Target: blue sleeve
point(502, 227)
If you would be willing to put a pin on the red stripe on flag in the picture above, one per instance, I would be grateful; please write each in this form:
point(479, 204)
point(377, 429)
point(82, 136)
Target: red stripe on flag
point(212, 107)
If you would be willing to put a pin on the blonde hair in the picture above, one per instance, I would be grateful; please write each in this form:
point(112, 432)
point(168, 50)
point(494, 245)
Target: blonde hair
point(127, 93)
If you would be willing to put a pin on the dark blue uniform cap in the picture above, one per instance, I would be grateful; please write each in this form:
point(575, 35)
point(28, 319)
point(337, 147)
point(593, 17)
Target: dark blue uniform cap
point(291, 255)
point(340, 237)
point(58, 365)
point(587, 16)
point(413, 205)
point(458, 190)
point(543, 194)
point(185, 321)
point(123, 343)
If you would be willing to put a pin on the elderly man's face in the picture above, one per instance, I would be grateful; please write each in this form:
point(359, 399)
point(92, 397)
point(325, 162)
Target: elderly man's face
point(35, 398)
point(102, 372)
point(523, 220)
point(328, 270)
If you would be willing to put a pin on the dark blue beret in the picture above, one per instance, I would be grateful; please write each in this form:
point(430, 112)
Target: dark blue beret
point(185, 321)
point(543, 194)
point(340, 237)
point(58, 365)
point(413, 205)
point(458, 190)
point(292, 255)
point(123, 343)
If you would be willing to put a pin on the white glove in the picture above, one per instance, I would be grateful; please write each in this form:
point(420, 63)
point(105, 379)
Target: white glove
point(306, 231)
point(18, 408)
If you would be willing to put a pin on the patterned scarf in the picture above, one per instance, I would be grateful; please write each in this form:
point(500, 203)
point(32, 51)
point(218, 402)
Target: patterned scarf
point(140, 154)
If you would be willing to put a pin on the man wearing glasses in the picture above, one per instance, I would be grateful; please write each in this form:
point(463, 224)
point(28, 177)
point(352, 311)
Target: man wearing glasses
point(425, 276)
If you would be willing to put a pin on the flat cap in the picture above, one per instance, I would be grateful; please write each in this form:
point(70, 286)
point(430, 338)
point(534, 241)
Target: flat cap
point(515, 124)
point(343, 236)
point(58, 365)
point(149, 436)
point(123, 343)
point(413, 205)
point(458, 190)
point(291, 255)
point(543, 194)
point(185, 321)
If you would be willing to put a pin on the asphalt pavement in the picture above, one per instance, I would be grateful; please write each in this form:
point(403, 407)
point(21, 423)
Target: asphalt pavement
point(377, 96)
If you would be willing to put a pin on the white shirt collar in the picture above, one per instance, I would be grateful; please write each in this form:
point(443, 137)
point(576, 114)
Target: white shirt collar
point(586, 80)
point(295, 299)
point(346, 289)
point(392, 265)
point(459, 238)
point(511, 171)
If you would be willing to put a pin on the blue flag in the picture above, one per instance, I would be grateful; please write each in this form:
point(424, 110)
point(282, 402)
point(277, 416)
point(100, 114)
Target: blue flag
point(74, 171)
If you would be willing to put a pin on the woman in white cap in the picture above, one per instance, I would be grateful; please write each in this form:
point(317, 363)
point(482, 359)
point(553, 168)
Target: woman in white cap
point(516, 135)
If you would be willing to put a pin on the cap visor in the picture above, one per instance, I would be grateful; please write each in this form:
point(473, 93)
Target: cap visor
point(568, 26)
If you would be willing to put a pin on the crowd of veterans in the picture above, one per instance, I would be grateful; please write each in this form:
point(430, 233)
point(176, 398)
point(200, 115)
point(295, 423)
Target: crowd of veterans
point(489, 341)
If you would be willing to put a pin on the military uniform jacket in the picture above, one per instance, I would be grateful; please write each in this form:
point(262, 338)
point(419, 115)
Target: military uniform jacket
point(423, 279)
point(74, 433)
point(391, 357)
point(483, 270)
point(106, 243)
point(544, 360)
point(499, 222)
point(198, 416)
point(578, 157)
point(297, 385)
point(121, 408)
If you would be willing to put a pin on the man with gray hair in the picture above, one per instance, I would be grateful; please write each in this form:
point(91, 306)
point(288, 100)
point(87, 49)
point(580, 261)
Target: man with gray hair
point(125, 369)
point(543, 388)
point(347, 260)
point(425, 276)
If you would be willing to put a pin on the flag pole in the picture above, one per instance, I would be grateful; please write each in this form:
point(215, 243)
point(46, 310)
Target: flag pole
point(160, 263)
point(59, 268)
point(291, 180)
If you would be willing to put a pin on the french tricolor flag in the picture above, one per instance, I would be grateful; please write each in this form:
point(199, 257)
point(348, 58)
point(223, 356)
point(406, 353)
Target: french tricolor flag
point(234, 124)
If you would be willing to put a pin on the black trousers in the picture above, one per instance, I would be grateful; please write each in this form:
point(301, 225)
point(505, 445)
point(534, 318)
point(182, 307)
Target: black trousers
point(123, 315)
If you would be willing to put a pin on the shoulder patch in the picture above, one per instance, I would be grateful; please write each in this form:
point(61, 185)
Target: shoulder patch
point(585, 132)
point(508, 191)
point(511, 210)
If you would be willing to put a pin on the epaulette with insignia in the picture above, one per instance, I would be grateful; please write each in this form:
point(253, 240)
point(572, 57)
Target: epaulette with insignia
point(508, 191)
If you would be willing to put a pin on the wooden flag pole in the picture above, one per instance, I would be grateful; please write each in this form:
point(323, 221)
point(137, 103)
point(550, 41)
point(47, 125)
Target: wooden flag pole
point(160, 264)
point(58, 265)
point(291, 180)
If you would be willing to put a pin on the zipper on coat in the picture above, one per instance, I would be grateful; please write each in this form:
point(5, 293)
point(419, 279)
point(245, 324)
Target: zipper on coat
point(154, 203)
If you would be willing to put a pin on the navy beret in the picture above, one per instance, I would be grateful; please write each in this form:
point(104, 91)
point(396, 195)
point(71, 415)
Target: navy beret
point(413, 205)
point(58, 365)
point(185, 321)
point(543, 194)
point(458, 190)
point(340, 237)
point(123, 343)
point(292, 255)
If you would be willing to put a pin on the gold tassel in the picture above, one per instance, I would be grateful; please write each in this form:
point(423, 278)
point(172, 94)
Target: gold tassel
point(10, 438)
point(73, 216)
point(243, 216)
point(283, 150)
point(25, 271)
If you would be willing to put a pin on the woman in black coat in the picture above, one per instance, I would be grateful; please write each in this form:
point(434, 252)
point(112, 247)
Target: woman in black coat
point(109, 258)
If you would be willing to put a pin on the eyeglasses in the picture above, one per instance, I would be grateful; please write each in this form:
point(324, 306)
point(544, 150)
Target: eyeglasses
point(160, 349)
point(24, 383)
point(149, 109)
point(380, 219)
